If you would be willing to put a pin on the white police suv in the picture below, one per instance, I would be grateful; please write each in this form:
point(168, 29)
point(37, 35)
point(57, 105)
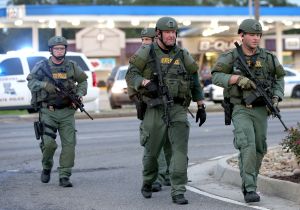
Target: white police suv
point(14, 68)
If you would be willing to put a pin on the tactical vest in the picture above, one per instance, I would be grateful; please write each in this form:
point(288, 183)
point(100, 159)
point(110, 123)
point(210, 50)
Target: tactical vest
point(263, 68)
point(177, 78)
point(63, 73)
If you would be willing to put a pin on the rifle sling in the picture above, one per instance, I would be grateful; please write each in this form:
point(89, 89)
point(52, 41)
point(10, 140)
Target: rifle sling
point(47, 73)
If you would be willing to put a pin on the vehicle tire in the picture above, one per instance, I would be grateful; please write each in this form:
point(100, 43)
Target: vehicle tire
point(113, 105)
point(296, 92)
point(217, 101)
point(30, 111)
point(210, 97)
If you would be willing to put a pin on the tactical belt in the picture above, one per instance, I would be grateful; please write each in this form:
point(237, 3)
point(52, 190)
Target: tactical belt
point(178, 100)
point(257, 103)
point(53, 106)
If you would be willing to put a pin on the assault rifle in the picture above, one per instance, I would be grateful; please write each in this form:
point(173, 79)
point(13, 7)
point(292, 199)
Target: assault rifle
point(61, 89)
point(163, 90)
point(261, 90)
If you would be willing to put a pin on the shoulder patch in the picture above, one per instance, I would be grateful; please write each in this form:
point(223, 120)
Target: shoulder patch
point(133, 58)
point(219, 66)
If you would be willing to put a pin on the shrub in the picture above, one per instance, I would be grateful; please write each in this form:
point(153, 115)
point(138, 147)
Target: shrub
point(291, 143)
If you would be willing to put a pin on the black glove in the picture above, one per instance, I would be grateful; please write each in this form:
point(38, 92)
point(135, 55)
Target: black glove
point(152, 89)
point(201, 114)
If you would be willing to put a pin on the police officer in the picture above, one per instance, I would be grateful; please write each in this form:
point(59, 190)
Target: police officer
point(148, 37)
point(55, 109)
point(249, 120)
point(182, 81)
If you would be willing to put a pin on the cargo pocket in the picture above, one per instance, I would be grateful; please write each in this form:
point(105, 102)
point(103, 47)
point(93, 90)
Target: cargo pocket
point(144, 135)
point(183, 90)
point(240, 139)
point(173, 86)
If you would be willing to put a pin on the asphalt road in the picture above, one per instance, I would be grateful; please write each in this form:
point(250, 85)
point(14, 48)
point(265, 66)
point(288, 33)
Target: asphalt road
point(107, 172)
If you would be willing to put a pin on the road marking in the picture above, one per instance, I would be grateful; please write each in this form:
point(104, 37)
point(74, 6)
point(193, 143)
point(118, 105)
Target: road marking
point(218, 157)
point(195, 190)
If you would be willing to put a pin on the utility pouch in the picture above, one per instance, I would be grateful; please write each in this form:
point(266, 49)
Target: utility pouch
point(251, 97)
point(140, 109)
point(228, 108)
point(38, 129)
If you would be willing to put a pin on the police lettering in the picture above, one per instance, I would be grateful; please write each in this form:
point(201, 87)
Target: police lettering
point(169, 60)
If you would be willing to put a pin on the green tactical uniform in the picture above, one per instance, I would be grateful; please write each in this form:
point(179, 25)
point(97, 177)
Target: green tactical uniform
point(165, 154)
point(183, 84)
point(250, 122)
point(56, 111)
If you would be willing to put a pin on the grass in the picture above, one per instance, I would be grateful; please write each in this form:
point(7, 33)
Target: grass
point(13, 112)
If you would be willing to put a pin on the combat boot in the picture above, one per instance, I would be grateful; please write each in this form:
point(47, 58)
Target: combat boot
point(146, 191)
point(45, 176)
point(166, 182)
point(251, 197)
point(156, 186)
point(65, 182)
point(179, 199)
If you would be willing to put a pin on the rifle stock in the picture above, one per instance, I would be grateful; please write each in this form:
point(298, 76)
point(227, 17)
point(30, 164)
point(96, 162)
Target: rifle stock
point(261, 91)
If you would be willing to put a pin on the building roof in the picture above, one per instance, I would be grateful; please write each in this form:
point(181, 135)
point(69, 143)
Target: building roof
point(50, 10)
point(200, 17)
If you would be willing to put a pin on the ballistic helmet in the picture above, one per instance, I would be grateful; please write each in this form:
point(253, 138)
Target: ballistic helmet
point(166, 23)
point(148, 32)
point(250, 26)
point(57, 40)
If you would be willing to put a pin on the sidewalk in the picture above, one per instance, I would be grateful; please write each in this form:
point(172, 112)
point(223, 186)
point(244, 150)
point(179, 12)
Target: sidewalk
point(218, 178)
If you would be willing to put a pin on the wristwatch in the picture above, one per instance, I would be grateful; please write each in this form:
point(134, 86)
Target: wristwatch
point(203, 106)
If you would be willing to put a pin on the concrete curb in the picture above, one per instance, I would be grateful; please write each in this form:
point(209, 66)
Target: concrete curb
point(283, 189)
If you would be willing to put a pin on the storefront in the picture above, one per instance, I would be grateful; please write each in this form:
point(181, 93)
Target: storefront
point(206, 51)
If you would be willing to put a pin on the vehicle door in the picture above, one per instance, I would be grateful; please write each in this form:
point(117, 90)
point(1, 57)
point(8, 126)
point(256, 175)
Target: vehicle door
point(13, 84)
point(92, 92)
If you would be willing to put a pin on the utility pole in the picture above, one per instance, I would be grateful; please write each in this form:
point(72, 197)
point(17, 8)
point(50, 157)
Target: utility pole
point(256, 8)
point(250, 6)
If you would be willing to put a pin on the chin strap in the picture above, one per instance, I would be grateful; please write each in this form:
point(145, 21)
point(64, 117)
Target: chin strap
point(58, 57)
